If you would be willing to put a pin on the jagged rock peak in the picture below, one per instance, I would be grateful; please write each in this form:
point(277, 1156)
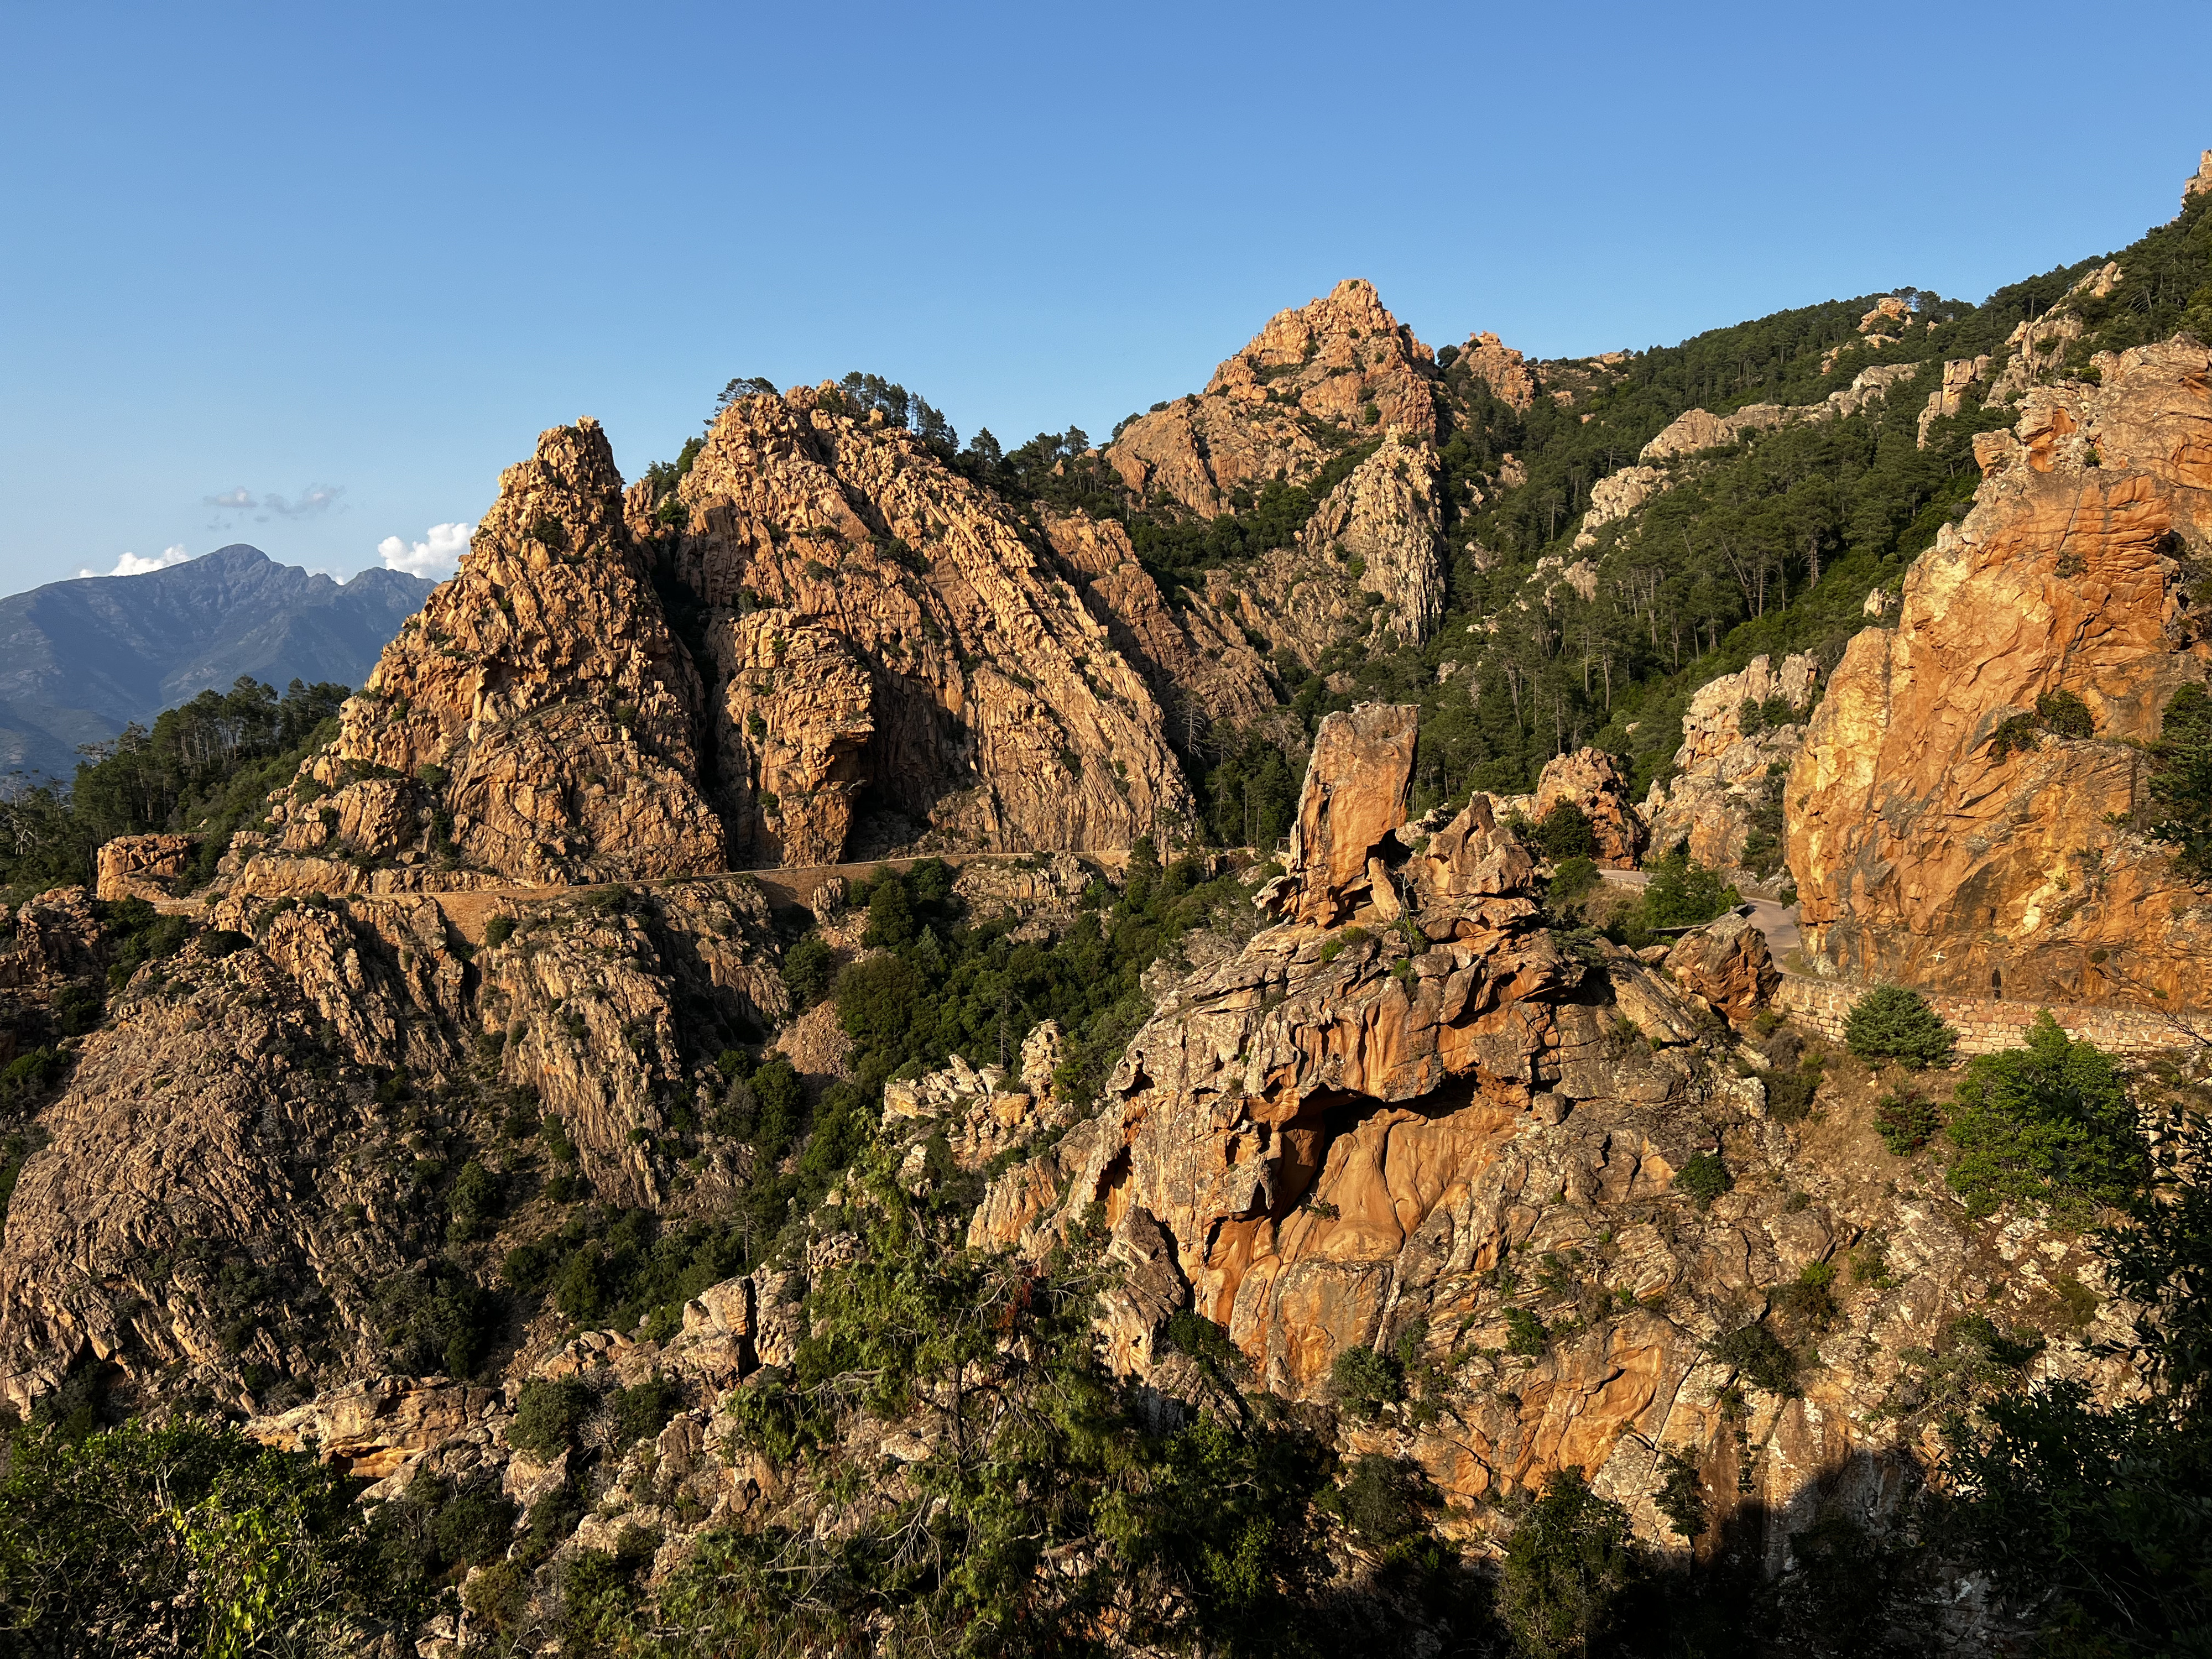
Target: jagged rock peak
point(1342, 360)
point(2200, 182)
point(1496, 365)
point(899, 661)
point(537, 722)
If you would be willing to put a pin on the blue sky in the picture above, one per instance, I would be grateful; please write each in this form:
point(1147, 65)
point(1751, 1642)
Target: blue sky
point(309, 276)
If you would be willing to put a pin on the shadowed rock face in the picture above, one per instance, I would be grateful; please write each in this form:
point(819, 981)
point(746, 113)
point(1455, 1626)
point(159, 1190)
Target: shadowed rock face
point(996, 711)
point(1328, 361)
point(1928, 849)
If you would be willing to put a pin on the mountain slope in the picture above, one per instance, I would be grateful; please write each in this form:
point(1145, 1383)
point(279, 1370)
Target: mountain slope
point(79, 660)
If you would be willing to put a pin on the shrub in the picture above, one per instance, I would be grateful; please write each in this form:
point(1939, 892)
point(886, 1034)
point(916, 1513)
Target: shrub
point(1760, 1358)
point(1565, 1566)
point(1382, 1500)
point(1907, 1122)
point(2064, 714)
point(890, 915)
point(1891, 1023)
point(2048, 1123)
point(1366, 1381)
point(808, 967)
point(1525, 1334)
point(1565, 832)
point(498, 930)
point(1790, 1092)
point(1680, 1495)
point(642, 1412)
point(547, 1414)
point(1681, 894)
point(1705, 1178)
point(1572, 878)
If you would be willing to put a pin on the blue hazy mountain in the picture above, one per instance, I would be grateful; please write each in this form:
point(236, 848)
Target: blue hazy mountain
point(79, 660)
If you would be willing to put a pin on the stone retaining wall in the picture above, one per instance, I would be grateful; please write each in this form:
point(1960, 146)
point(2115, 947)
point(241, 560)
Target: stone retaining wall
point(1985, 1025)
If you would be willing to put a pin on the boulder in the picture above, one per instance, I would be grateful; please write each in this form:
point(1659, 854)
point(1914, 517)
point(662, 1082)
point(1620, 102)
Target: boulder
point(1727, 964)
point(141, 866)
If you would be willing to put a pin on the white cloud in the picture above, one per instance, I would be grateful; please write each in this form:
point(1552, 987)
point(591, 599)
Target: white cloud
point(439, 556)
point(316, 498)
point(131, 565)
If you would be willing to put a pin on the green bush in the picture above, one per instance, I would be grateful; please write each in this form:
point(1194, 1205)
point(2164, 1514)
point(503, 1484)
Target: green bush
point(2065, 715)
point(1525, 1334)
point(1891, 1023)
point(1384, 1499)
point(1565, 832)
point(1680, 1495)
point(1565, 1569)
point(498, 930)
point(1760, 1358)
point(1573, 878)
point(2046, 1124)
point(187, 1538)
point(1365, 1381)
point(1907, 1122)
point(1682, 893)
point(1703, 1178)
point(808, 967)
point(547, 1414)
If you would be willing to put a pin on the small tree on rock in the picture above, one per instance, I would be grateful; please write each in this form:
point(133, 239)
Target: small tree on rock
point(1891, 1023)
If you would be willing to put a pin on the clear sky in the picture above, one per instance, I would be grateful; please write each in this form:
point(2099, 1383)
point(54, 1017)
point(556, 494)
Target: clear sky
point(308, 276)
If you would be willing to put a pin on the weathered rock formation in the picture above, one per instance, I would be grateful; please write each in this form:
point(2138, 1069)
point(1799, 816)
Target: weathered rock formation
point(1383, 524)
point(1406, 1120)
point(1726, 965)
point(1940, 831)
point(1310, 381)
point(1353, 799)
point(1195, 658)
point(140, 867)
point(539, 715)
point(1960, 375)
point(1698, 429)
point(1498, 366)
point(996, 711)
point(1727, 779)
point(1591, 781)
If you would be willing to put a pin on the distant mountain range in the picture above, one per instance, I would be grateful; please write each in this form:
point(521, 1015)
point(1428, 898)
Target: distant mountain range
point(79, 660)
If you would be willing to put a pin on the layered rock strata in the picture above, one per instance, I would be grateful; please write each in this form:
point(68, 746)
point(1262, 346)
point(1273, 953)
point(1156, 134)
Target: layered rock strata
point(1967, 813)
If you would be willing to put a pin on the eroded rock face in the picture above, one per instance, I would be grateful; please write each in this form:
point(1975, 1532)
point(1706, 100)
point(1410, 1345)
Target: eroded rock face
point(1440, 1133)
point(1592, 780)
point(999, 713)
point(202, 1128)
point(1194, 657)
point(538, 709)
point(1503, 369)
point(1928, 850)
point(797, 717)
point(1354, 796)
point(1727, 966)
point(1725, 775)
point(140, 867)
point(1384, 521)
point(1331, 360)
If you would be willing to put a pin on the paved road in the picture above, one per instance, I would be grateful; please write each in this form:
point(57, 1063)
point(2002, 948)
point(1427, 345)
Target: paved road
point(1778, 922)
